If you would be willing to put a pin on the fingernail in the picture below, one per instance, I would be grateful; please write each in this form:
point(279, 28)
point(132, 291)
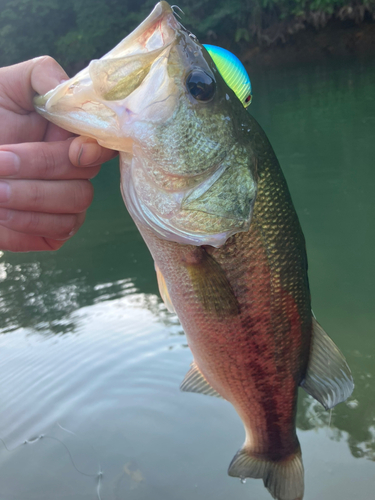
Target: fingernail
point(9, 163)
point(89, 153)
point(4, 214)
point(4, 192)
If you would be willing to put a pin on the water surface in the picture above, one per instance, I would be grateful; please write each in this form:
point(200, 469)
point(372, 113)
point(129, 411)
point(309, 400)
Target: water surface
point(91, 361)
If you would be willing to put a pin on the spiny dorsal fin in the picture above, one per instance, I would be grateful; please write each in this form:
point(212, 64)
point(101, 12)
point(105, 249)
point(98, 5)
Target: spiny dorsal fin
point(194, 381)
point(164, 290)
point(284, 479)
point(328, 377)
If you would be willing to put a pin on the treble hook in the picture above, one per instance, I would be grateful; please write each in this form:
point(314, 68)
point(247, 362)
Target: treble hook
point(173, 7)
point(178, 8)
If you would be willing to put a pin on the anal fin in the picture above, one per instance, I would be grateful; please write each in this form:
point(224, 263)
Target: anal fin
point(194, 381)
point(328, 378)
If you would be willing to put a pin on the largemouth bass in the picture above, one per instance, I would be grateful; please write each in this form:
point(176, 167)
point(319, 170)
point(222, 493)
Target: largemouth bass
point(202, 183)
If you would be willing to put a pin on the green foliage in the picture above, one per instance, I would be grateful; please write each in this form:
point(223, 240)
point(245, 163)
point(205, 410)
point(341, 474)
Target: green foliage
point(76, 31)
point(242, 34)
point(30, 28)
point(72, 31)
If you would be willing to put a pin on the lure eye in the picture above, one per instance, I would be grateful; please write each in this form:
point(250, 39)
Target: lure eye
point(201, 85)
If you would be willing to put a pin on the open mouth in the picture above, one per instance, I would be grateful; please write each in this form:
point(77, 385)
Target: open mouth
point(99, 99)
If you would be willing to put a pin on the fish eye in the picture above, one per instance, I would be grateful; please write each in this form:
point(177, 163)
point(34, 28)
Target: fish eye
point(201, 85)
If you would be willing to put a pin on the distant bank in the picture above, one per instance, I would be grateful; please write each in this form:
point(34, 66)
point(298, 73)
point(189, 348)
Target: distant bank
point(336, 40)
point(261, 32)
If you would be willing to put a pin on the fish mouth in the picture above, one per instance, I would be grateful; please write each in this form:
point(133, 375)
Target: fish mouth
point(105, 98)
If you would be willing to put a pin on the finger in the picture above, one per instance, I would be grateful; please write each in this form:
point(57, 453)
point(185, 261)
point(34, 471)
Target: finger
point(21, 81)
point(85, 151)
point(13, 241)
point(41, 160)
point(54, 133)
point(54, 226)
point(65, 197)
point(19, 84)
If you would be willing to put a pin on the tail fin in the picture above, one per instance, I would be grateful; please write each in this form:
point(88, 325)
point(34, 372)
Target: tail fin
point(284, 479)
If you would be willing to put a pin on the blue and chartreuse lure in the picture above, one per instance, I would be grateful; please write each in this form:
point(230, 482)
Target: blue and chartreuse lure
point(233, 72)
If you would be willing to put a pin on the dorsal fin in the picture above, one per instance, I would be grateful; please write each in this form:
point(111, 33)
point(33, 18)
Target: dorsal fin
point(328, 377)
point(164, 290)
point(194, 381)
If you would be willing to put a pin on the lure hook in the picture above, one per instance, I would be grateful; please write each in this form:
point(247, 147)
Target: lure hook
point(173, 7)
point(176, 7)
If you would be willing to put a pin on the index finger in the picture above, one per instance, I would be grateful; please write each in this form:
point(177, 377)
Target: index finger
point(42, 160)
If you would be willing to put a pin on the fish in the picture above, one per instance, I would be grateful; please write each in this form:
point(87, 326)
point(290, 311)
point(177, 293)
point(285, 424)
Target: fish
point(206, 191)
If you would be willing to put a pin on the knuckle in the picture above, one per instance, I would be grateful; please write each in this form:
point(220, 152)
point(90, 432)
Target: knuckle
point(48, 59)
point(31, 222)
point(43, 60)
point(37, 195)
point(46, 162)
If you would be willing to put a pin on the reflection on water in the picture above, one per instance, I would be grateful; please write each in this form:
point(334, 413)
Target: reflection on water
point(48, 301)
point(355, 426)
point(87, 345)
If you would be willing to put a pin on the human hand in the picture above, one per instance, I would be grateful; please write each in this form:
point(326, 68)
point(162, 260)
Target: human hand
point(44, 189)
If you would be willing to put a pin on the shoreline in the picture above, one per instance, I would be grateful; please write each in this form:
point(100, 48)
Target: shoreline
point(337, 40)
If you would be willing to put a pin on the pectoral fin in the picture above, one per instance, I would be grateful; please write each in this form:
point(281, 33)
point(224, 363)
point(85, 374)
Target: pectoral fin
point(212, 287)
point(194, 381)
point(328, 377)
point(164, 290)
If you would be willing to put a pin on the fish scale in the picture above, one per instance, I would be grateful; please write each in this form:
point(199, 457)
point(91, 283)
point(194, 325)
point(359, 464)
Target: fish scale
point(173, 143)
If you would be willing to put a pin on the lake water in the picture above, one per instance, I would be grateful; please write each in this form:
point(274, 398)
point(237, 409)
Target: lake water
point(91, 361)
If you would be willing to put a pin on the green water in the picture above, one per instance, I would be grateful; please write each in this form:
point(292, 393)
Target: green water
point(88, 346)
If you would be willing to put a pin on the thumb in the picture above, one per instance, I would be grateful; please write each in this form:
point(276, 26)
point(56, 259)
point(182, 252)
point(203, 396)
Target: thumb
point(22, 81)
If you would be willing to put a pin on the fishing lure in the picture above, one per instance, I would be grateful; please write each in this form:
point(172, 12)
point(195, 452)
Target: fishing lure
point(233, 72)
